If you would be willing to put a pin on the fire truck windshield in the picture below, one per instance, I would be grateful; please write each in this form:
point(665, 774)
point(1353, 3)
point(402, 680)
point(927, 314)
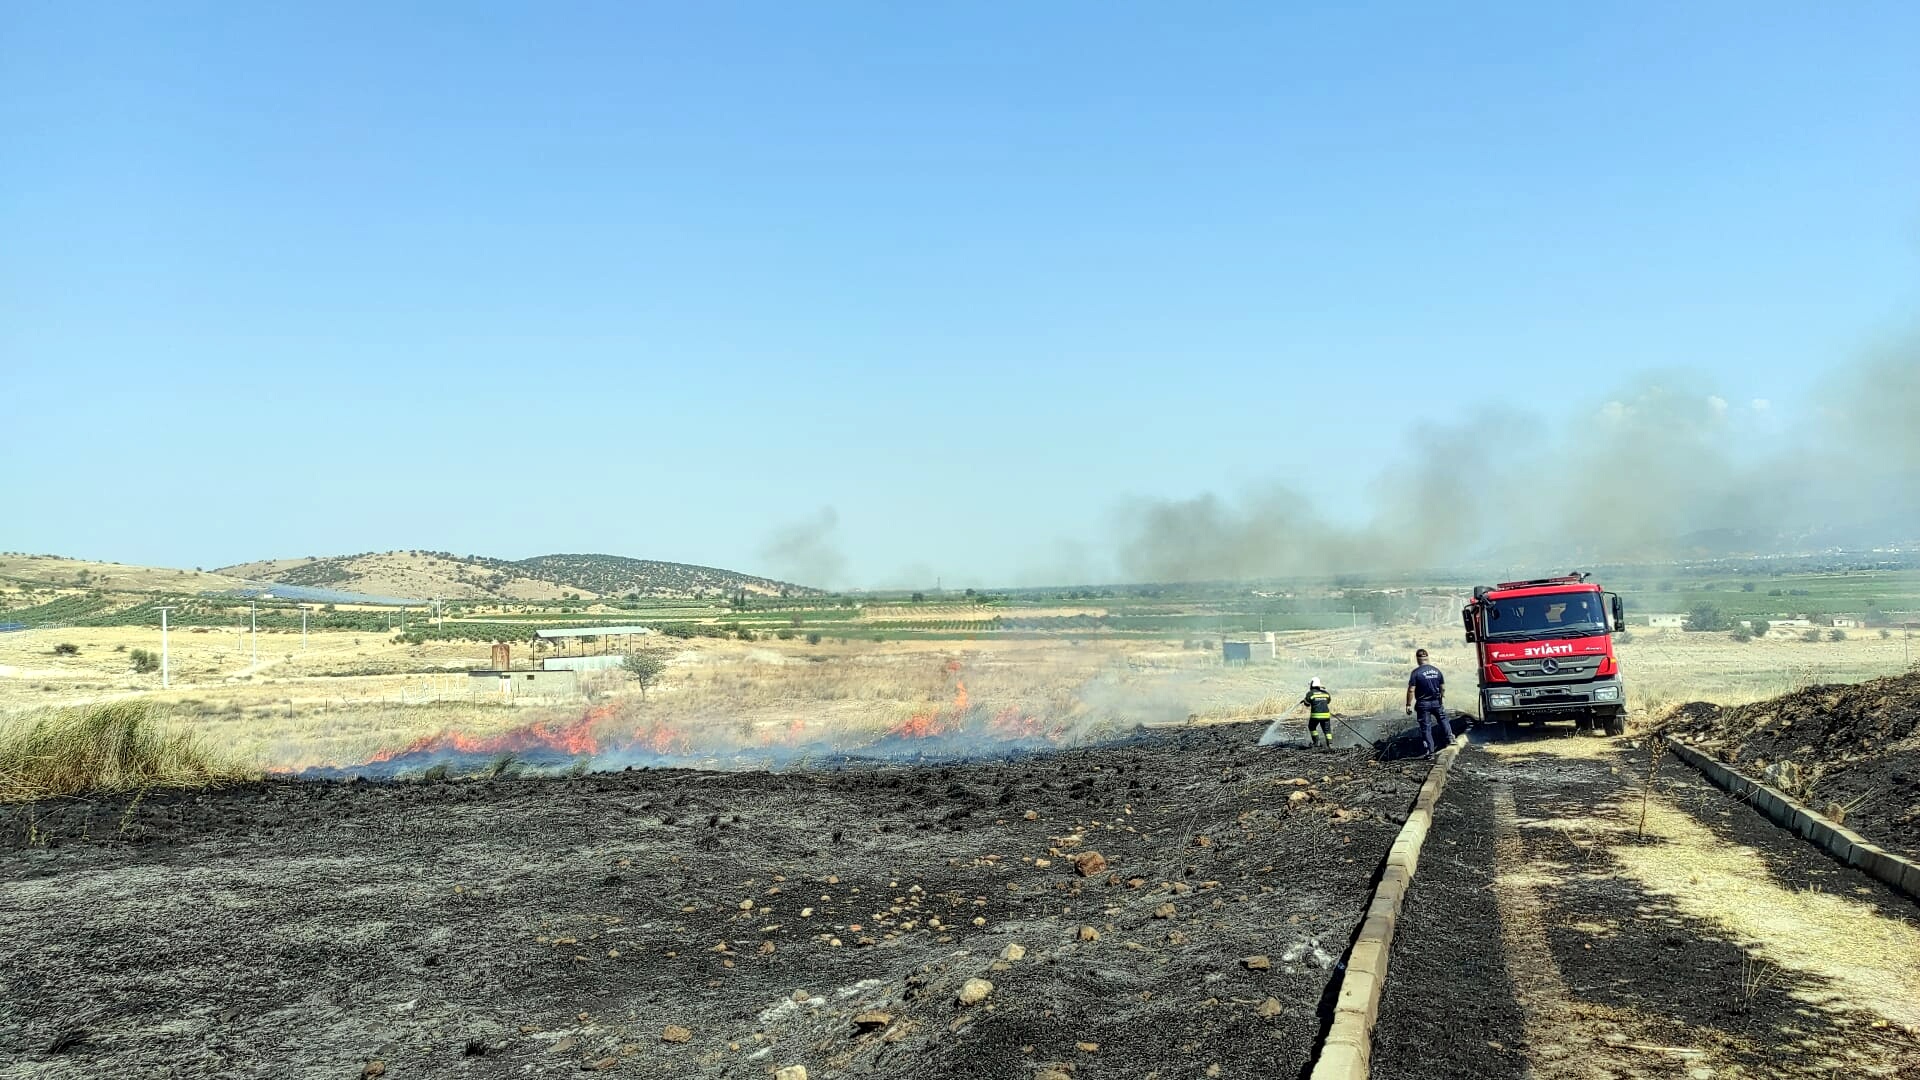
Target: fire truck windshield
point(1544, 616)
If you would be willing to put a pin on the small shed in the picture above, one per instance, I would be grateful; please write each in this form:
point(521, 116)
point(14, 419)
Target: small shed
point(1667, 621)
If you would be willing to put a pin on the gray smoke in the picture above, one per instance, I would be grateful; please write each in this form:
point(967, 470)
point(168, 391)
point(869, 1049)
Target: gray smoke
point(807, 552)
point(1665, 468)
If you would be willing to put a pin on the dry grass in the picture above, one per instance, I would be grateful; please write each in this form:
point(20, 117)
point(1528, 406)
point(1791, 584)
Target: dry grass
point(1866, 957)
point(347, 694)
point(118, 746)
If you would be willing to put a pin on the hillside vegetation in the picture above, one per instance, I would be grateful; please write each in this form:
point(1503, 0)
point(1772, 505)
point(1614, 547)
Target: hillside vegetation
point(19, 570)
point(424, 574)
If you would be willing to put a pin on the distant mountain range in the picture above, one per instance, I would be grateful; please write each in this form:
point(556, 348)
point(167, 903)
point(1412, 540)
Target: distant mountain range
point(427, 574)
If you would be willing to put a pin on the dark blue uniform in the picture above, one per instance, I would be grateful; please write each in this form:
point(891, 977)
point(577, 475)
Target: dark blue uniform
point(1429, 702)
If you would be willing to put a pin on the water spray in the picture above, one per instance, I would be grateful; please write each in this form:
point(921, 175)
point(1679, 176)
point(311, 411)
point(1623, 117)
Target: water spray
point(1272, 734)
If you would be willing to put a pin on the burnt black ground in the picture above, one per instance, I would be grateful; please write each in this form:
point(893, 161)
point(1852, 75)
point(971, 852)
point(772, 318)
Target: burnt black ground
point(1451, 1008)
point(1857, 746)
point(535, 927)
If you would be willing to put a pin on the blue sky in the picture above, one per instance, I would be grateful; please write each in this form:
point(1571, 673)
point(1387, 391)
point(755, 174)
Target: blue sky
point(281, 280)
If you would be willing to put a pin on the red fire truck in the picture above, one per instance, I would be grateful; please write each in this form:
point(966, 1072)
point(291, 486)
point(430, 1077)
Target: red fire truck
point(1546, 652)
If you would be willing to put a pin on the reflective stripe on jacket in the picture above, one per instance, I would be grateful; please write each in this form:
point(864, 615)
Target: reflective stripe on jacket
point(1319, 704)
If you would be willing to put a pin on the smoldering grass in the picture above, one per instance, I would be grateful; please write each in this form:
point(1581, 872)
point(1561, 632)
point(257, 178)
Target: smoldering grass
point(105, 747)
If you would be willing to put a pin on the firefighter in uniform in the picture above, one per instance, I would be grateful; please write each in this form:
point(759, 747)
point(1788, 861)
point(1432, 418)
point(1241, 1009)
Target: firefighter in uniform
point(1319, 705)
point(1427, 693)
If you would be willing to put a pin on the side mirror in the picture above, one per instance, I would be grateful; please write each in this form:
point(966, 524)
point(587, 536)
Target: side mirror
point(1466, 617)
point(1619, 613)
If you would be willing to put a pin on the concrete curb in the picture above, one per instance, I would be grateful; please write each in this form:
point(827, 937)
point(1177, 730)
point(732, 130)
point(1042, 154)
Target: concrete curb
point(1845, 845)
point(1347, 1052)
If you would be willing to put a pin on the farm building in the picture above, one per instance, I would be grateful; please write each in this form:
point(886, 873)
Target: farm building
point(1666, 621)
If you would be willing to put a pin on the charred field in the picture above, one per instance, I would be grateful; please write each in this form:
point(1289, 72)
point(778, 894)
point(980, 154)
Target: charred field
point(676, 922)
point(1852, 752)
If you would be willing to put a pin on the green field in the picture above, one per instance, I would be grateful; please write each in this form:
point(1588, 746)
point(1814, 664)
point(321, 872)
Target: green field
point(1881, 591)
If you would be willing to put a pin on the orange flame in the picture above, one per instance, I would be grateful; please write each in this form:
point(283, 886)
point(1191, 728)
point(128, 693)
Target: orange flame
point(573, 738)
point(926, 725)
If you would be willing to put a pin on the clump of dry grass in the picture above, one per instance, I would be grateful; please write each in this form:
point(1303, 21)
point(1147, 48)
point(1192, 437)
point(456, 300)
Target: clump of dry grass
point(109, 746)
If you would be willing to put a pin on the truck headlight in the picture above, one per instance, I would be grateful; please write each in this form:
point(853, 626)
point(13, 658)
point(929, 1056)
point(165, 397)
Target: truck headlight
point(1500, 701)
point(1606, 693)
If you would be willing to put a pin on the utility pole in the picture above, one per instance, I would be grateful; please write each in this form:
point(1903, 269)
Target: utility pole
point(164, 680)
point(253, 616)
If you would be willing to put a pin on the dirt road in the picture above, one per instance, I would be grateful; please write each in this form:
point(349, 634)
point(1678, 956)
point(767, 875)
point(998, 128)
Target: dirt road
point(1547, 936)
point(678, 923)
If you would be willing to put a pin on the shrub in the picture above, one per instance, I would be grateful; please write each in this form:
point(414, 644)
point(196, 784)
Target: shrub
point(1885, 634)
point(110, 746)
point(1836, 635)
point(1742, 635)
point(144, 662)
point(1810, 635)
point(1760, 627)
point(66, 648)
point(783, 634)
point(1706, 617)
point(814, 639)
point(645, 666)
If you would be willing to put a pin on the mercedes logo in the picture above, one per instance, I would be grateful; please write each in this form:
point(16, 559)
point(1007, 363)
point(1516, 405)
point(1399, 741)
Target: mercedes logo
point(1549, 666)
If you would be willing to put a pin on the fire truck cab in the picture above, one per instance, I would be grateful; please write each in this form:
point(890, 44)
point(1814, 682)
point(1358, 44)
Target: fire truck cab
point(1546, 652)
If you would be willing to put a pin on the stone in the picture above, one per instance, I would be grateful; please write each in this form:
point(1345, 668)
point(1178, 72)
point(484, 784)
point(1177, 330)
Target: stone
point(872, 1020)
point(374, 1068)
point(1165, 911)
point(975, 991)
point(674, 1033)
point(1013, 951)
point(1255, 963)
point(1089, 863)
point(1087, 933)
point(1270, 1007)
point(791, 1072)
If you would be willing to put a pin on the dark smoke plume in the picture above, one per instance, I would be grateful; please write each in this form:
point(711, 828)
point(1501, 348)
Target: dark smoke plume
point(807, 552)
point(1666, 468)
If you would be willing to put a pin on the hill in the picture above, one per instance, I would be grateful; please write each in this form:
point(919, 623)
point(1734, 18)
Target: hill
point(426, 574)
point(27, 572)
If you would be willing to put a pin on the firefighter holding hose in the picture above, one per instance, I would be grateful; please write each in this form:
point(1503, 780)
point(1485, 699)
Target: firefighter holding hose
point(1319, 705)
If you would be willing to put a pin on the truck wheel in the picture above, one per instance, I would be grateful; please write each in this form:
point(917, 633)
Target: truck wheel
point(1617, 724)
